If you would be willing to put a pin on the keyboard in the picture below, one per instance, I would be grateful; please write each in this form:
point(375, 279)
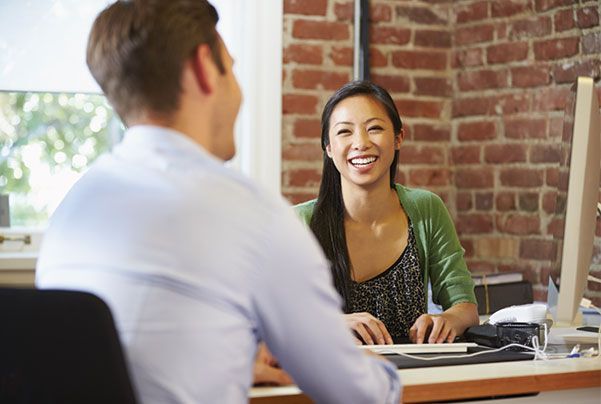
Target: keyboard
point(419, 348)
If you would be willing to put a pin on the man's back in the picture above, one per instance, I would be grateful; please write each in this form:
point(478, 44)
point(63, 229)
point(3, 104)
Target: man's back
point(197, 265)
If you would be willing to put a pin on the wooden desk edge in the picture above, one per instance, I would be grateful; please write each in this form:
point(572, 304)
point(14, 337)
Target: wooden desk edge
point(505, 386)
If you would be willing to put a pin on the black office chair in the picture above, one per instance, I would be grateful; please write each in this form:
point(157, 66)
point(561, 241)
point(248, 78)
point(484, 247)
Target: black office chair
point(60, 346)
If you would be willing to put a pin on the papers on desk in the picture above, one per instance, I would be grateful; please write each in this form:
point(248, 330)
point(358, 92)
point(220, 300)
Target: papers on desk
point(570, 335)
point(419, 348)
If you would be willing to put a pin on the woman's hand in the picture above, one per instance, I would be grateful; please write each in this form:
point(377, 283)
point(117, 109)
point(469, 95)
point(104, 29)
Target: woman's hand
point(441, 329)
point(266, 369)
point(446, 326)
point(371, 330)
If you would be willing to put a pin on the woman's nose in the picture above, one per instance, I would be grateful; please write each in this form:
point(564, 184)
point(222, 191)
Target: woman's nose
point(361, 140)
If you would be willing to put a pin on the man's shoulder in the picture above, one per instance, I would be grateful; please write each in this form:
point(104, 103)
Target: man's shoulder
point(305, 210)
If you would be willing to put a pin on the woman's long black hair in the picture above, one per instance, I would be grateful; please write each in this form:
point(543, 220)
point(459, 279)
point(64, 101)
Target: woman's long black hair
point(327, 222)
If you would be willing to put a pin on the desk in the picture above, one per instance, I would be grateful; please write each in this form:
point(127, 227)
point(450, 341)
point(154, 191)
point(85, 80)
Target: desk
point(558, 380)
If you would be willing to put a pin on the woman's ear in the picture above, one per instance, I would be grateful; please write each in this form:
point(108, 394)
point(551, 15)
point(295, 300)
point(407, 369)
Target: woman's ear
point(398, 139)
point(204, 68)
point(329, 151)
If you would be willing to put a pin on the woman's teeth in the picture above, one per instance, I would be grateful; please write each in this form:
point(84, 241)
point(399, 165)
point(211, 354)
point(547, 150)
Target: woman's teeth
point(361, 161)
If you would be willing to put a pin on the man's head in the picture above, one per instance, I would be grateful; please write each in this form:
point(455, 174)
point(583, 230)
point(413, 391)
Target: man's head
point(137, 51)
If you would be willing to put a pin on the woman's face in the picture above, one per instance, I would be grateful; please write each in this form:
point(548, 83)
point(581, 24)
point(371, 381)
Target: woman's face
point(362, 141)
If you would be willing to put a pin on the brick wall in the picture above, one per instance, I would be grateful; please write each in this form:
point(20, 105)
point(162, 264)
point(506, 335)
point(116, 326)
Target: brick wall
point(481, 87)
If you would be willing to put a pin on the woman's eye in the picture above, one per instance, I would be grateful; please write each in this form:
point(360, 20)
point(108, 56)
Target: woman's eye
point(343, 132)
point(375, 129)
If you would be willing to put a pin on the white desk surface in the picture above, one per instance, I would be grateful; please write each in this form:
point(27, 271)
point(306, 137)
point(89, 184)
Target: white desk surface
point(471, 373)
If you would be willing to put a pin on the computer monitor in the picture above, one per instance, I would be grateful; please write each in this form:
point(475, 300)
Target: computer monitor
point(579, 176)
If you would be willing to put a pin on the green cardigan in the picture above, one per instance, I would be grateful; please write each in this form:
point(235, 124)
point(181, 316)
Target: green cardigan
point(440, 252)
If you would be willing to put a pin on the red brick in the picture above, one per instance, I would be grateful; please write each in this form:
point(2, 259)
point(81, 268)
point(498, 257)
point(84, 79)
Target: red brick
point(591, 43)
point(472, 106)
point(377, 58)
point(302, 177)
point(481, 267)
point(505, 201)
point(530, 27)
point(544, 5)
point(380, 13)
point(473, 34)
point(475, 223)
point(518, 224)
point(564, 20)
point(550, 99)
point(522, 177)
point(530, 76)
point(393, 84)
point(465, 155)
point(304, 29)
point(432, 38)
point(299, 104)
point(513, 103)
point(555, 128)
point(422, 15)
point(429, 177)
point(556, 48)
point(298, 197)
point(302, 152)
point(484, 201)
point(419, 108)
point(540, 153)
point(538, 249)
point(528, 201)
point(306, 7)
point(476, 131)
point(464, 201)
point(389, 35)
point(430, 133)
point(556, 228)
point(568, 72)
point(341, 56)
point(431, 60)
point(587, 17)
point(549, 199)
point(300, 53)
point(435, 86)
point(507, 8)
point(314, 79)
point(505, 153)
point(467, 57)
point(474, 178)
point(410, 154)
point(471, 12)
point(307, 128)
point(482, 79)
point(552, 177)
point(507, 52)
point(344, 11)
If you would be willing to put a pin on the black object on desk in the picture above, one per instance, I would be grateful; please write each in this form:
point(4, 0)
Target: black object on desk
point(497, 296)
point(451, 359)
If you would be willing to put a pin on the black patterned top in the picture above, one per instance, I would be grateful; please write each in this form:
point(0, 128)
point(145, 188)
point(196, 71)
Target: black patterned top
point(396, 296)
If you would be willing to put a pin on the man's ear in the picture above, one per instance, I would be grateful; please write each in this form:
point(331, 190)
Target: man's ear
point(204, 68)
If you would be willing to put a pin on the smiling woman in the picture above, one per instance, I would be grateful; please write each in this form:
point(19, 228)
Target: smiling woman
point(385, 242)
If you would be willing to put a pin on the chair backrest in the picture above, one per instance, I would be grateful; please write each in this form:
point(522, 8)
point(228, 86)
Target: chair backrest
point(60, 346)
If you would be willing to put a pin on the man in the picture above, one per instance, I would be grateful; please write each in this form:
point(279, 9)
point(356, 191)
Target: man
point(195, 262)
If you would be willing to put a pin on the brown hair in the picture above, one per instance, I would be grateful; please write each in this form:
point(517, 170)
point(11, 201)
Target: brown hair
point(137, 50)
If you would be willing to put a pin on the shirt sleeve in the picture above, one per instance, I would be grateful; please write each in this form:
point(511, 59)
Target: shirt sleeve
point(300, 319)
point(451, 280)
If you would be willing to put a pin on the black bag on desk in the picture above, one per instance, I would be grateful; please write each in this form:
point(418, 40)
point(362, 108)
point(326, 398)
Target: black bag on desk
point(497, 296)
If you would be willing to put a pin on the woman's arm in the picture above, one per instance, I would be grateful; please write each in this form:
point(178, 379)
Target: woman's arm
point(438, 328)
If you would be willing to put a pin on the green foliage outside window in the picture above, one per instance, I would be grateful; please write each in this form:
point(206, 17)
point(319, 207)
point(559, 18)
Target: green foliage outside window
point(47, 141)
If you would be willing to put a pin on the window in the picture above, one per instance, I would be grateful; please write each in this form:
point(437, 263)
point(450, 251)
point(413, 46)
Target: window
point(54, 123)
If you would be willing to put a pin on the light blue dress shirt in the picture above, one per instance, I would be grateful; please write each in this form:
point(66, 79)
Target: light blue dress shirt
point(197, 265)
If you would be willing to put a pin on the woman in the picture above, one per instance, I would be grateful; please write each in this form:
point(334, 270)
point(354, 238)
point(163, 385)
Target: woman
point(385, 241)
